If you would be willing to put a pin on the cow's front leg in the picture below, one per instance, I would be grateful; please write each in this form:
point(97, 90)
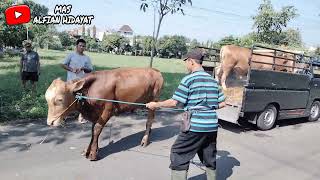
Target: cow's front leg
point(86, 151)
point(92, 153)
point(145, 139)
point(96, 131)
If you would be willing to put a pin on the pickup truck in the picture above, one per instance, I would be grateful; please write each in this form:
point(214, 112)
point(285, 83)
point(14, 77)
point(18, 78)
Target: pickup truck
point(265, 96)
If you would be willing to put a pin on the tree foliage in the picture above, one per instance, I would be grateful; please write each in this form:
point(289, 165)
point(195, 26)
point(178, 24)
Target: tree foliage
point(14, 35)
point(163, 8)
point(270, 23)
point(291, 37)
point(147, 43)
point(115, 41)
point(228, 40)
point(66, 39)
point(172, 46)
point(193, 43)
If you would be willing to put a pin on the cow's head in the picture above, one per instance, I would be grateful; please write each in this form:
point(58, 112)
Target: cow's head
point(60, 96)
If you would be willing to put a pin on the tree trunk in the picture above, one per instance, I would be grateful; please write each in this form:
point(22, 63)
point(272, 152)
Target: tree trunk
point(155, 39)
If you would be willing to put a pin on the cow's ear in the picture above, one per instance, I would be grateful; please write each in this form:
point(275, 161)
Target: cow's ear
point(78, 85)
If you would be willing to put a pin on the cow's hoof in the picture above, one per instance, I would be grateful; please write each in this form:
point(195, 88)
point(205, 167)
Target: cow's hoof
point(85, 153)
point(144, 142)
point(92, 157)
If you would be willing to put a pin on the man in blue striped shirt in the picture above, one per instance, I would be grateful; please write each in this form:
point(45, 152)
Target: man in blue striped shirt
point(199, 93)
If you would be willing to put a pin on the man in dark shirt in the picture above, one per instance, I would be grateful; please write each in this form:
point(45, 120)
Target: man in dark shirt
point(199, 93)
point(29, 66)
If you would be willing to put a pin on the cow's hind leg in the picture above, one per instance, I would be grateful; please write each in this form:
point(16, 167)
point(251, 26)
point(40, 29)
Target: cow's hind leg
point(218, 74)
point(145, 139)
point(225, 74)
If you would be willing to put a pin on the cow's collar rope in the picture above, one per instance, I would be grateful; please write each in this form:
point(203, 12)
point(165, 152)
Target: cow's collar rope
point(68, 108)
point(79, 97)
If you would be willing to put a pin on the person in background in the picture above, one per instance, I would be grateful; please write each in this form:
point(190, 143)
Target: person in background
point(77, 65)
point(29, 66)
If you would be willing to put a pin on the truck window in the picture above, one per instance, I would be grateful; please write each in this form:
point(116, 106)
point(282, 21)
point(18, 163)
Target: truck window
point(316, 71)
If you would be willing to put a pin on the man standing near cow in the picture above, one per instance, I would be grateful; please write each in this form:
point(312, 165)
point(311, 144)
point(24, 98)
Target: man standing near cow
point(29, 66)
point(200, 95)
point(77, 65)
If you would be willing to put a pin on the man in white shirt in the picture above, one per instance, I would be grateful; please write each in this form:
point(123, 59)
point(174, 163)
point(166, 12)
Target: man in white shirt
point(77, 65)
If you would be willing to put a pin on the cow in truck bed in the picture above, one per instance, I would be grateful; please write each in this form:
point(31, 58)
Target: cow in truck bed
point(235, 58)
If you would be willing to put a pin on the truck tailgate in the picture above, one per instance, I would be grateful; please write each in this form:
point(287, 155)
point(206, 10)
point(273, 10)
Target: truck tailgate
point(229, 113)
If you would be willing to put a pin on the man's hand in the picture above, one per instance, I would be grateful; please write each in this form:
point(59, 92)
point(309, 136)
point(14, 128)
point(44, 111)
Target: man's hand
point(152, 105)
point(222, 105)
point(77, 70)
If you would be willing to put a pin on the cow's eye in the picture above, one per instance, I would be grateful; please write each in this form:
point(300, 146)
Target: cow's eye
point(59, 100)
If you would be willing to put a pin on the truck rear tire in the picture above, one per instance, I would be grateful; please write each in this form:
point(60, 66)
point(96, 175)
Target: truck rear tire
point(267, 118)
point(315, 111)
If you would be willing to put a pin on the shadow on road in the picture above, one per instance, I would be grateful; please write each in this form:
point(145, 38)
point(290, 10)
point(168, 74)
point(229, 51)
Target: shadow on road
point(249, 127)
point(225, 164)
point(131, 141)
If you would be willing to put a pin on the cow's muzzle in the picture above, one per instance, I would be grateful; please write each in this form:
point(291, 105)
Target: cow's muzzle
point(55, 122)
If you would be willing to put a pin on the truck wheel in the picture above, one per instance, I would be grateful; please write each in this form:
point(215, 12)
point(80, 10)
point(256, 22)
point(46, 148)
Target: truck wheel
point(267, 118)
point(315, 111)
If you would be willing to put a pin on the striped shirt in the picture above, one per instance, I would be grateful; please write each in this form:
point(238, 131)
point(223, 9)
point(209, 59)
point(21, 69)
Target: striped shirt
point(200, 91)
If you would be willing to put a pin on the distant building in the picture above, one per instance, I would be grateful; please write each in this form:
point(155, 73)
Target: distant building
point(126, 31)
point(97, 33)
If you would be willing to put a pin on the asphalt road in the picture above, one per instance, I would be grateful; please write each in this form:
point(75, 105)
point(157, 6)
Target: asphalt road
point(32, 150)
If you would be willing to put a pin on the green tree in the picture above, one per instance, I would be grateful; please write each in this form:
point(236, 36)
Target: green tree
point(92, 44)
point(36, 9)
point(65, 39)
point(291, 37)
point(114, 41)
point(163, 8)
point(172, 46)
point(55, 43)
point(228, 41)
point(147, 45)
point(270, 23)
point(248, 40)
point(14, 35)
point(137, 44)
point(194, 43)
point(10, 35)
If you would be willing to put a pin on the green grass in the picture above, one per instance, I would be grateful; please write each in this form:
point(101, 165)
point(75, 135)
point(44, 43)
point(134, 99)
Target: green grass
point(17, 104)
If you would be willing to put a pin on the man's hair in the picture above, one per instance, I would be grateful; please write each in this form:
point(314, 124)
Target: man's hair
point(198, 61)
point(80, 41)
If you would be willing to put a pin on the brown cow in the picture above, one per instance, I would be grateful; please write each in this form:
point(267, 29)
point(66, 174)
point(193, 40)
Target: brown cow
point(124, 84)
point(235, 58)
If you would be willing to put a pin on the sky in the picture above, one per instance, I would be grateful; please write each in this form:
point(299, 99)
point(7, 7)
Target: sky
point(204, 20)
